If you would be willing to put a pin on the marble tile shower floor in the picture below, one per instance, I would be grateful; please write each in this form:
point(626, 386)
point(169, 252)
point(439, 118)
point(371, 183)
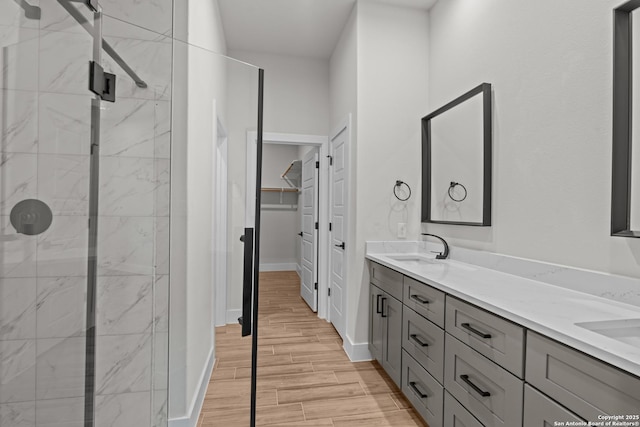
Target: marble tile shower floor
point(304, 376)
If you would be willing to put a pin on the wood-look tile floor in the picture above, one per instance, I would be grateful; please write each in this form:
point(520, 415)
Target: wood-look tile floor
point(304, 376)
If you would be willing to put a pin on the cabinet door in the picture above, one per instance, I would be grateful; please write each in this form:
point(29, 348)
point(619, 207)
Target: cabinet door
point(375, 322)
point(540, 411)
point(390, 281)
point(491, 393)
point(424, 341)
point(392, 341)
point(586, 386)
point(455, 415)
point(424, 300)
point(422, 390)
point(496, 338)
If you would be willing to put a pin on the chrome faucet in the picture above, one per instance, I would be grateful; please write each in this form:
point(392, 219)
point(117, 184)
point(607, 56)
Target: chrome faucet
point(441, 255)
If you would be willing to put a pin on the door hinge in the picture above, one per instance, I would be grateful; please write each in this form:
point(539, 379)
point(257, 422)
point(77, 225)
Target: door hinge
point(315, 286)
point(101, 83)
point(330, 160)
point(317, 164)
point(330, 226)
point(317, 225)
point(329, 291)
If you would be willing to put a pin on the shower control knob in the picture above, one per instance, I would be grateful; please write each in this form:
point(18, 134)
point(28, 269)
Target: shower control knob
point(31, 217)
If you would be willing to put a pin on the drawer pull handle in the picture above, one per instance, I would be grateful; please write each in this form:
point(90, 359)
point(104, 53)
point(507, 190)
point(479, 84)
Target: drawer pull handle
point(413, 386)
point(418, 340)
point(477, 389)
point(382, 311)
point(475, 331)
point(378, 310)
point(420, 299)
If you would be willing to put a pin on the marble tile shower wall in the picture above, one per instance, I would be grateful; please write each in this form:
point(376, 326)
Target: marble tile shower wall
point(45, 119)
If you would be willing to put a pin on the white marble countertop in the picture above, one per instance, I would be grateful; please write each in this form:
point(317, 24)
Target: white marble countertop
point(550, 310)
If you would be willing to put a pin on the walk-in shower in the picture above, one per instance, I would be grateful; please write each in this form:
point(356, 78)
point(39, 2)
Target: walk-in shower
point(97, 177)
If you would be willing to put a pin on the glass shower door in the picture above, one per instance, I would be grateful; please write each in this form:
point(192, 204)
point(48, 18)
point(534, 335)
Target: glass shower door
point(84, 217)
point(45, 143)
point(222, 97)
point(86, 214)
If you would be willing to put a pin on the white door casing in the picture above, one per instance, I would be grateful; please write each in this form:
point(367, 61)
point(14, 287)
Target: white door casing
point(322, 143)
point(220, 254)
point(309, 249)
point(339, 146)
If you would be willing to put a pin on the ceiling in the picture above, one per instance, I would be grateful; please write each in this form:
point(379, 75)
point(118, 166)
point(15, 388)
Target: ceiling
point(308, 28)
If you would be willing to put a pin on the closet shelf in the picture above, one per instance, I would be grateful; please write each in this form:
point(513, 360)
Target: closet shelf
point(279, 190)
point(274, 198)
point(293, 174)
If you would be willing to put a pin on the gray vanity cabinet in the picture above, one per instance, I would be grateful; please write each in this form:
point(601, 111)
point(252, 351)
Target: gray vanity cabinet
point(385, 320)
point(579, 382)
point(498, 339)
point(424, 341)
point(540, 411)
point(375, 322)
point(392, 338)
point(422, 390)
point(483, 370)
point(491, 393)
point(424, 300)
point(455, 415)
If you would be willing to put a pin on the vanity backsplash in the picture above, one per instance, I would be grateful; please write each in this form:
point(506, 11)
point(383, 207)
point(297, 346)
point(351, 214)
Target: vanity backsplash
point(609, 286)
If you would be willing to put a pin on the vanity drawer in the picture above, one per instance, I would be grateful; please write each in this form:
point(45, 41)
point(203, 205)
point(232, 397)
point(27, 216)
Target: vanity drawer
point(540, 411)
point(455, 415)
point(424, 341)
point(489, 392)
point(498, 339)
point(422, 390)
point(424, 300)
point(583, 384)
point(386, 279)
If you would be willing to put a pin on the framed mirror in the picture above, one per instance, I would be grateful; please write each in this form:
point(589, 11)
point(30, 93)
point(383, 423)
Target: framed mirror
point(456, 160)
point(625, 188)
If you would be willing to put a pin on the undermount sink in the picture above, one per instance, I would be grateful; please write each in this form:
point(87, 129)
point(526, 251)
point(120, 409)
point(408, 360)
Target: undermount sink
point(414, 258)
point(418, 260)
point(625, 330)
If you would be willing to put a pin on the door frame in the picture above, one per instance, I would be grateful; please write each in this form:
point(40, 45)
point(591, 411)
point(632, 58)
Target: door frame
point(322, 142)
point(220, 254)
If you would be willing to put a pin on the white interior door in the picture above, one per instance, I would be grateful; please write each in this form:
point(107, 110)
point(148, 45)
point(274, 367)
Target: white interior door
point(337, 291)
point(309, 251)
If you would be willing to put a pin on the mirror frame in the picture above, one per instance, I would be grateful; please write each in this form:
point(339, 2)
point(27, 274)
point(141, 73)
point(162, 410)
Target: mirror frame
point(622, 110)
point(485, 90)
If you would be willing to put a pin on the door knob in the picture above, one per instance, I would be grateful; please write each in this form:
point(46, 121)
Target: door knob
point(242, 238)
point(300, 234)
point(341, 245)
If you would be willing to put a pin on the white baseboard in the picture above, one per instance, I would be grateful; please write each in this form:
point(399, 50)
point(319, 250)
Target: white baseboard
point(299, 270)
point(191, 420)
point(232, 316)
point(357, 352)
point(285, 266)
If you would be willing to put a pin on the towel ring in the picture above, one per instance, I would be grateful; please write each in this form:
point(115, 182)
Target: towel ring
point(395, 189)
point(454, 185)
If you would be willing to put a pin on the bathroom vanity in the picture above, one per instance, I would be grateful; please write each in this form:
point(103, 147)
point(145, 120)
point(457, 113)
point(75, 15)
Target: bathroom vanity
point(477, 347)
